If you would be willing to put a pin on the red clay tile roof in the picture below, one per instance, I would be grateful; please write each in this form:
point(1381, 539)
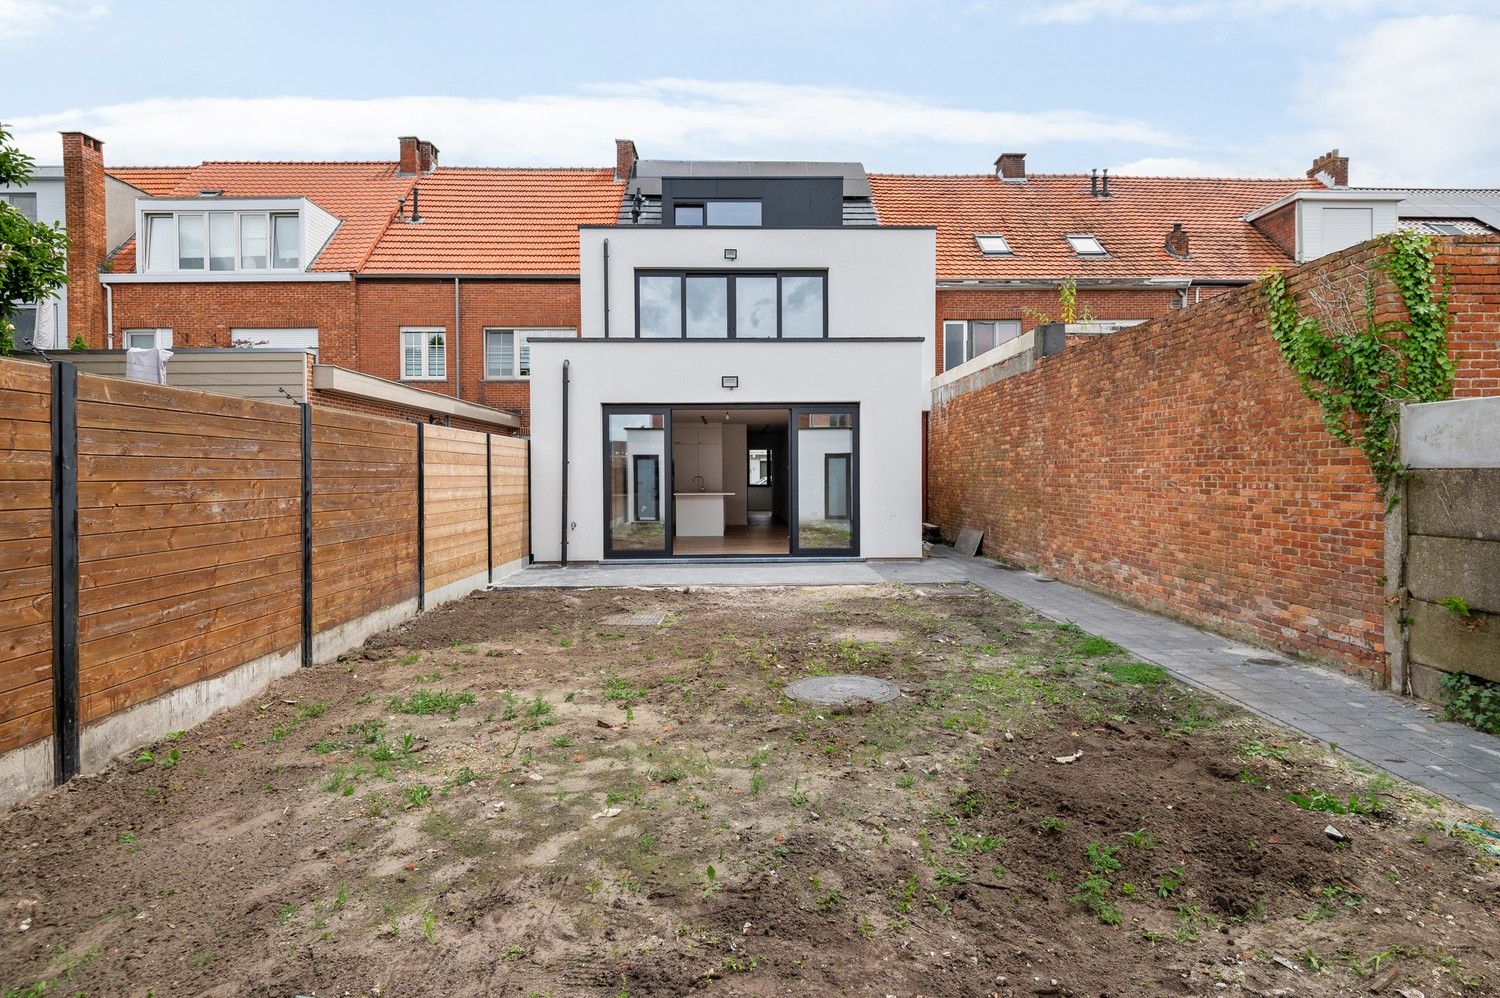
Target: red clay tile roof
point(498, 221)
point(1132, 223)
point(153, 180)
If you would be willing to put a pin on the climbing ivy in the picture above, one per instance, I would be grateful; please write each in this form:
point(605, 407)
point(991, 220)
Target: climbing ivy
point(1362, 371)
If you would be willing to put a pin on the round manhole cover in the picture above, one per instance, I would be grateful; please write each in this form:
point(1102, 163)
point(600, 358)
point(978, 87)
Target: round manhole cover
point(841, 691)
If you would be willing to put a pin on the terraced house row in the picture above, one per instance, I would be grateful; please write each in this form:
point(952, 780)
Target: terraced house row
point(712, 359)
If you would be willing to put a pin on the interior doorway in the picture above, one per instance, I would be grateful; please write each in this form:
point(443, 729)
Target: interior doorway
point(729, 482)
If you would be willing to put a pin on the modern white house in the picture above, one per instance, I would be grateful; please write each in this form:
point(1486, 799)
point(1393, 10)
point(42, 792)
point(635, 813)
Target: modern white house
point(749, 379)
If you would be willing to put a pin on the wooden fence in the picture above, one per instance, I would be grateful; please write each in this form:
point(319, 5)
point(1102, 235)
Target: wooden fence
point(205, 544)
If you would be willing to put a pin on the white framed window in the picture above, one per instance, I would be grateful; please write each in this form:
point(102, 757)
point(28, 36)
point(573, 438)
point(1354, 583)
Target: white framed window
point(992, 245)
point(222, 241)
point(148, 339)
point(1086, 245)
point(424, 353)
point(507, 352)
point(965, 339)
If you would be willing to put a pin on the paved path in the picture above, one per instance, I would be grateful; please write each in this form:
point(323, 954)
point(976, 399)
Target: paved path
point(1389, 732)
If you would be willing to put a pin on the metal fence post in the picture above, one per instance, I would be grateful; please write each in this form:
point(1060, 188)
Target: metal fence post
point(307, 545)
point(65, 733)
point(489, 515)
point(421, 520)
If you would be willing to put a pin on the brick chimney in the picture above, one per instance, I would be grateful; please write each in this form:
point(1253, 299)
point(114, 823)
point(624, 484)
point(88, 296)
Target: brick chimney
point(625, 157)
point(84, 215)
point(407, 161)
point(1177, 241)
point(1011, 166)
point(417, 156)
point(1331, 168)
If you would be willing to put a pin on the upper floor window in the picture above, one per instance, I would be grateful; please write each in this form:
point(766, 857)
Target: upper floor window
point(1085, 245)
point(740, 213)
point(223, 241)
point(993, 245)
point(24, 203)
point(963, 340)
point(507, 352)
point(424, 353)
point(788, 305)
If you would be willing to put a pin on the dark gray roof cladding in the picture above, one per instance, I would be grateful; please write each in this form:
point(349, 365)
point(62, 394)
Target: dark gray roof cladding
point(648, 172)
point(857, 211)
point(1480, 204)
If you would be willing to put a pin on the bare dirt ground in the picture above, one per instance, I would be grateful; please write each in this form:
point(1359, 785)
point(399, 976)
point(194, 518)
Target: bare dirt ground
point(530, 793)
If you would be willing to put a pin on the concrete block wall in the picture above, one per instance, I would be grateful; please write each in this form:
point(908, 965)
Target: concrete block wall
point(1452, 564)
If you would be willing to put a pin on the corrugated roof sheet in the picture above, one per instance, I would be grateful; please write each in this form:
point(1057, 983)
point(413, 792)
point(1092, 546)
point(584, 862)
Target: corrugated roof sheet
point(498, 221)
point(1036, 216)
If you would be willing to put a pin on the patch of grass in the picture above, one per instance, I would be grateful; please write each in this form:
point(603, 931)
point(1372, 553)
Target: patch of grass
point(1260, 750)
point(1136, 673)
point(1051, 823)
point(617, 687)
point(424, 702)
point(1170, 881)
point(1318, 800)
point(416, 795)
point(1141, 838)
point(1094, 646)
point(538, 714)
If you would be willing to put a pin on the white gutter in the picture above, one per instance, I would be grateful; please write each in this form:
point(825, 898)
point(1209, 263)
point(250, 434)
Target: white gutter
point(225, 277)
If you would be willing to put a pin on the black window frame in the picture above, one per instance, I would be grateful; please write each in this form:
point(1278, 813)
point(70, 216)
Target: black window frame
point(733, 304)
point(635, 471)
point(701, 204)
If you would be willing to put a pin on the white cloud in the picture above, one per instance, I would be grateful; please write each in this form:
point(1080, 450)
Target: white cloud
point(1411, 101)
point(1178, 11)
point(1192, 166)
point(666, 117)
point(22, 19)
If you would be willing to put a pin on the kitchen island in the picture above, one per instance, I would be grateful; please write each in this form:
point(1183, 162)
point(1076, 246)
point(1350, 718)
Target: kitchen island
point(700, 514)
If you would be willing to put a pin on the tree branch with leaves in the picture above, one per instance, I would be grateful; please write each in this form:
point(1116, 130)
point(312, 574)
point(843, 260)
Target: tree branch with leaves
point(33, 255)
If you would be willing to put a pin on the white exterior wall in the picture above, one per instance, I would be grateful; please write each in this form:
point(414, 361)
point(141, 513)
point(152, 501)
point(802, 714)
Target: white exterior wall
point(886, 380)
point(1313, 236)
point(881, 281)
point(51, 207)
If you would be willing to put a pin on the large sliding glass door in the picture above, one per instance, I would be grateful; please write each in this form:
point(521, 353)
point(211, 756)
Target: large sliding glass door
point(809, 507)
point(825, 454)
point(638, 513)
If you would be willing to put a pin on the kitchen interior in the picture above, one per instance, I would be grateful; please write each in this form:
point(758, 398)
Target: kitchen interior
point(729, 481)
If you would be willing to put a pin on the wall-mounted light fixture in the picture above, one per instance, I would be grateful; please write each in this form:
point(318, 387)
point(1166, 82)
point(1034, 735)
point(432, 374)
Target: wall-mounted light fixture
point(731, 254)
point(730, 381)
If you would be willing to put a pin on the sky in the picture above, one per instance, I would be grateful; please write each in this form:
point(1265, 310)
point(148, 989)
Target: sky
point(1407, 90)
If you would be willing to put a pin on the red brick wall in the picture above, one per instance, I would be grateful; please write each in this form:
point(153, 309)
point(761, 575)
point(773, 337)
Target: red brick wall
point(201, 315)
point(83, 204)
point(1116, 303)
point(1179, 466)
point(387, 305)
point(1280, 226)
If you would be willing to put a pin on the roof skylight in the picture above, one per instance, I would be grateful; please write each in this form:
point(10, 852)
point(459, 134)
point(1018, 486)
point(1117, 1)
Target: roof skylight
point(993, 245)
point(1085, 245)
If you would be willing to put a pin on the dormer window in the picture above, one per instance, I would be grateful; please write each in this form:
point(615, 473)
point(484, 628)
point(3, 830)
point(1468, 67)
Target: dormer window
point(993, 245)
point(745, 213)
point(1085, 245)
point(221, 241)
